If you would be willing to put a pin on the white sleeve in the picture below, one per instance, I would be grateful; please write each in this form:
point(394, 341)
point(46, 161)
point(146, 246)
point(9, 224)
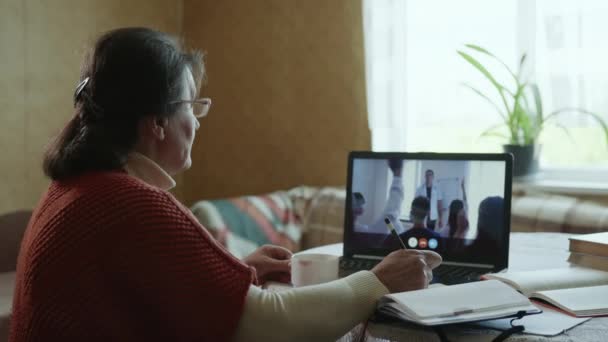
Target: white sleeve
point(313, 313)
point(395, 199)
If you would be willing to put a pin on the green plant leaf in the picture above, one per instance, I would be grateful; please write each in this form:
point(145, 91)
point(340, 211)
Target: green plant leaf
point(526, 102)
point(596, 117)
point(491, 132)
point(538, 103)
point(475, 63)
point(518, 95)
point(508, 92)
point(484, 51)
point(524, 126)
point(485, 97)
point(565, 129)
point(521, 127)
point(522, 60)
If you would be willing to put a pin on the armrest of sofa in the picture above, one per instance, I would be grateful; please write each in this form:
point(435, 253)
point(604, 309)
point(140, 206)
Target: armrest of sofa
point(538, 212)
point(322, 214)
point(12, 228)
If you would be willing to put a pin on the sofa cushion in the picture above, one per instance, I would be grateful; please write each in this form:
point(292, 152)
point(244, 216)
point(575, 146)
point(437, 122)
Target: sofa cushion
point(7, 287)
point(242, 224)
point(322, 214)
point(553, 213)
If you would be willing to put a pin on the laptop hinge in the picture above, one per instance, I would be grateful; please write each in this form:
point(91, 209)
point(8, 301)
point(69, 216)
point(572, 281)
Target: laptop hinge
point(370, 257)
point(450, 263)
point(466, 264)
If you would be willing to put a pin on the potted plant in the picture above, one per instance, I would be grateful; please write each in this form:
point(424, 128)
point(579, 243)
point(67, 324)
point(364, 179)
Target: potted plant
point(521, 110)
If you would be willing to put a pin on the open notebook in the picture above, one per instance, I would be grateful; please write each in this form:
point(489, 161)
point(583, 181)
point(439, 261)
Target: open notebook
point(468, 302)
point(579, 291)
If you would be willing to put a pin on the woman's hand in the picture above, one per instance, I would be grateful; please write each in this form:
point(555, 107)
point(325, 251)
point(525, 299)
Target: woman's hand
point(407, 270)
point(271, 263)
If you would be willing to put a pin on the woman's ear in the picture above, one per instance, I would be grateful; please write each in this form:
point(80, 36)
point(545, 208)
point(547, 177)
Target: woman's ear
point(158, 126)
point(153, 128)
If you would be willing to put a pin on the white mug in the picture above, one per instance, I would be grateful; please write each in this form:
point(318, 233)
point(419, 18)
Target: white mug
point(311, 269)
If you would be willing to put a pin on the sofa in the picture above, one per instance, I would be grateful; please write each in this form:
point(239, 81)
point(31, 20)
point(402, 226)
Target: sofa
point(318, 215)
point(12, 227)
point(305, 217)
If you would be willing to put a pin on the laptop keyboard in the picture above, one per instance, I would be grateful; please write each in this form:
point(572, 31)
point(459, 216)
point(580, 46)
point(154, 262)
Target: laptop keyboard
point(449, 274)
point(445, 274)
point(350, 266)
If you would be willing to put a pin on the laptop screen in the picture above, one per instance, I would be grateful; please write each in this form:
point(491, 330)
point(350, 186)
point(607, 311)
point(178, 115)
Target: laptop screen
point(455, 204)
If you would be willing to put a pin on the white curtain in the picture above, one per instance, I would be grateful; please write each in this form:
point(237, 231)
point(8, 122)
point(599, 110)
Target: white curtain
point(385, 44)
point(416, 101)
point(572, 54)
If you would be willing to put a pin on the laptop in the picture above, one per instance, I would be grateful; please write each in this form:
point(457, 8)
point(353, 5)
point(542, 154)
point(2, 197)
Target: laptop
point(457, 205)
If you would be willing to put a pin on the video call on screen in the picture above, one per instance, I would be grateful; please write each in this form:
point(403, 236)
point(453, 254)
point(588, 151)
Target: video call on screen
point(441, 205)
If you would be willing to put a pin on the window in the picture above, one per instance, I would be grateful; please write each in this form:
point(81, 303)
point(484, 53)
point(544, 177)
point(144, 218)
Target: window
point(416, 100)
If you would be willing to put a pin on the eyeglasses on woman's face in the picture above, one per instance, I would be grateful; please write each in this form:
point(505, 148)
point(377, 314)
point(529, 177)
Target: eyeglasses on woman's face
point(200, 107)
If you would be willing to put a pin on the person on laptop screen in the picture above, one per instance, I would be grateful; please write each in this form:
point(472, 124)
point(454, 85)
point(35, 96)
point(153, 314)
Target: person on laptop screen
point(432, 192)
point(392, 210)
point(489, 225)
point(418, 214)
point(458, 222)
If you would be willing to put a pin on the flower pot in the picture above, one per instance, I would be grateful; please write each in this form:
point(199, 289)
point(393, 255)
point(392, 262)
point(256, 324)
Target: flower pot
point(525, 158)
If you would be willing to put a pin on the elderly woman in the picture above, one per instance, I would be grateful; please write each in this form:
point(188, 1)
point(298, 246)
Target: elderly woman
point(110, 255)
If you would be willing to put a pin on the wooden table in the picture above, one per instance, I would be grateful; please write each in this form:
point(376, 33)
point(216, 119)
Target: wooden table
point(527, 252)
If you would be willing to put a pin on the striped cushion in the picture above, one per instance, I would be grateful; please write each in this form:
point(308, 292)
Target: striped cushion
point(244, 223)
point(552, 213)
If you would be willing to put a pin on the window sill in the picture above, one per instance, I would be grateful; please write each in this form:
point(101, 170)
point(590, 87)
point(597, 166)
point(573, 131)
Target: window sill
point(551, 181)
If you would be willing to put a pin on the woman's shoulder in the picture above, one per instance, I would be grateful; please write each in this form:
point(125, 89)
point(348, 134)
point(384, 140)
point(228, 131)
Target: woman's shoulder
point(111, 189)
point(113, 181)
point(115, 193)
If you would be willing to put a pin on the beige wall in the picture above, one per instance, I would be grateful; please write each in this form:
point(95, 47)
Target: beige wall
point(286, 78)
point(41, 46)
point(287, 82)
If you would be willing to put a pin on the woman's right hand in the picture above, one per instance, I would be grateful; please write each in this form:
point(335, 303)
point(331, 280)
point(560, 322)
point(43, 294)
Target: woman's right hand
point(407, 269)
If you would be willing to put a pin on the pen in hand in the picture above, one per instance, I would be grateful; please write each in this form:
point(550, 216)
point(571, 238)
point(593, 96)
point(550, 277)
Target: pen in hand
point(393, 231)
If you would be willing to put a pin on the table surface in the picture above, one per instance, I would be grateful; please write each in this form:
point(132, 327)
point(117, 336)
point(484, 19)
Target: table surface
point(527, 252)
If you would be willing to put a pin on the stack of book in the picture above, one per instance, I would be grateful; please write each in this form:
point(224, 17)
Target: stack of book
point(590, 250)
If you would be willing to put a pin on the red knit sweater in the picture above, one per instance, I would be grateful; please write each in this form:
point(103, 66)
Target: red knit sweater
point(107, 257)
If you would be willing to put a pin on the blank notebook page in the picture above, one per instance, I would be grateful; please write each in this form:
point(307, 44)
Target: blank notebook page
point(580, 299)
point(476, 296)
point(551, 279)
